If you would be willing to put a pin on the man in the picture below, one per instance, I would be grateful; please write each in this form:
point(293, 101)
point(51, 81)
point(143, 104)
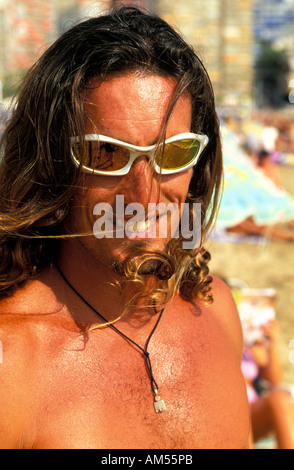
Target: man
point(115, 340)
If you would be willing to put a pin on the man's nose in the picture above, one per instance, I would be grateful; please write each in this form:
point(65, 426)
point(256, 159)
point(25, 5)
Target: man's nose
point(141, 183)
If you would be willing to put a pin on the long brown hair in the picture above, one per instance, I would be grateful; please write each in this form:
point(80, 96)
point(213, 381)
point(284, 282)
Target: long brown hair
point(37, 176)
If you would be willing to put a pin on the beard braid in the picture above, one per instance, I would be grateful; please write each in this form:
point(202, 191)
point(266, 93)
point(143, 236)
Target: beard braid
point(140, 261)
point(150, 272)
point(150, 267)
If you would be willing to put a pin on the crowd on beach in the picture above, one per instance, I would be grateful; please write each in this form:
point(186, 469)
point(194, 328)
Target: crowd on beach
point(254, 201)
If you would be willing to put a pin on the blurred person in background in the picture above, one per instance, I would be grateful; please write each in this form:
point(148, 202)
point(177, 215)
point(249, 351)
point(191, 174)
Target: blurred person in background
point(269, 403)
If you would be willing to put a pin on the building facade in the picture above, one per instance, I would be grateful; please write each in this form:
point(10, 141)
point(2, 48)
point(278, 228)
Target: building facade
point(221, 32)
point(26, 28)
point(274, 22)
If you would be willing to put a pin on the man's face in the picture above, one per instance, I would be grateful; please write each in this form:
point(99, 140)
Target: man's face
point(131, 108)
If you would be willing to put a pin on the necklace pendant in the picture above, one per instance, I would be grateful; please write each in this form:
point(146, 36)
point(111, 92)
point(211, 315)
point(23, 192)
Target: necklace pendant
point(159, 404)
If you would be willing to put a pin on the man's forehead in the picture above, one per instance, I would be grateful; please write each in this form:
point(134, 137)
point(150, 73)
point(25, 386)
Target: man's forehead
point(130, 96)
point(130, 87)
point(134, 108)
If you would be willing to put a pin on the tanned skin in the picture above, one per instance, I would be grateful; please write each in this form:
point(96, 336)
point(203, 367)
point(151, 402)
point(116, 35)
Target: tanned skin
point(63, 386)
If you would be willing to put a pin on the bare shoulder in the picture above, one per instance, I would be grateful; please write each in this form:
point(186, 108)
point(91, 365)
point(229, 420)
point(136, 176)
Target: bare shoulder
point(222, 295)
point(28, 316)
point(220, 318)
point(25, 324)
point(212, 335)
point(224, 311)
point(15, 352)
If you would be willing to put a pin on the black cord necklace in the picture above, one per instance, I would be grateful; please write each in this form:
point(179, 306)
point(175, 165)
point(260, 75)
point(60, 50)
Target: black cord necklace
point(159, 404)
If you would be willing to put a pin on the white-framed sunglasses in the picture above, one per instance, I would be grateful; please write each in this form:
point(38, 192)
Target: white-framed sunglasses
point(104, 155)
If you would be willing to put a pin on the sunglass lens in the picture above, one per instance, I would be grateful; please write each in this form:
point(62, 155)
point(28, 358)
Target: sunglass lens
point(102, 156)
point(178, 154)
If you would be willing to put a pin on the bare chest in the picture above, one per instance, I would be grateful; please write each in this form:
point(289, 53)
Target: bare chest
point(100, 396)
